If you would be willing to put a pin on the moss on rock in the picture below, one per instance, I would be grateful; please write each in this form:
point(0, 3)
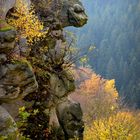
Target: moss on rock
point(4, 26)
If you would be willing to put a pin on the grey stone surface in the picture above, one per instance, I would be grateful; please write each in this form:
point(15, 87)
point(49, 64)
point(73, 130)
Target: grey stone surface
point(61, 86)
point(7, 41)
point(16, 76)
point(66, 12)
point(70, 117)
point(16, 79)
point(6, 5)
point(7, 124)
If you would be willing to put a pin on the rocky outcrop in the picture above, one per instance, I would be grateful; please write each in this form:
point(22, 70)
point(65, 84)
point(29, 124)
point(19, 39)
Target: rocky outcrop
point(16, 76)
point(70, 117)
point(50, 84)
point(66, 12)
point(7, 124)
point(6, 5)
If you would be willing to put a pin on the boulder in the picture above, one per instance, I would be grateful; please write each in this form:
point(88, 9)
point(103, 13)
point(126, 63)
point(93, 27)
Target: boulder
point(16, 81)
point(16, 76)
point(69, 114)
point(62, 85)
point(67, 12)
point(6, 5)
point(7, 124)
point(7, 41)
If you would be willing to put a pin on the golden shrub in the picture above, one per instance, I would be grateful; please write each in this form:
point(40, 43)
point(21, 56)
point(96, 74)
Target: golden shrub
point(121, 126)
point(97, 96)
point(27, 23)
point(109, 88)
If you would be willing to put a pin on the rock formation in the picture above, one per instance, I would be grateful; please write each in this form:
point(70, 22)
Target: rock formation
point(16, 76)
point(67, 12)
point(6, 5)
point(70, 117)
point(55, 83)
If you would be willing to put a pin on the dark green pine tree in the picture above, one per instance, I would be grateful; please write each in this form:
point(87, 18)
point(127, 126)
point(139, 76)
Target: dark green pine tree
point(111, 69)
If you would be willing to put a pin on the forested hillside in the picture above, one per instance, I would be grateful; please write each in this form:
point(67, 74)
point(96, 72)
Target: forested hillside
point(114, 28)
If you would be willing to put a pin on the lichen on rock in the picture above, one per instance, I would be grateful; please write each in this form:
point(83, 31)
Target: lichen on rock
point(66, 12)
point(7, 124)
point(70, 117)
point(16, 79)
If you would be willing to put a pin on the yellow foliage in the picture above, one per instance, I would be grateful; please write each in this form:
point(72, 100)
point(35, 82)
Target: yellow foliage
point(22, 109)
point(121, 126)
point(92, 85)
point(97, 96)
point(110, 88)
point(98, 99)
point(27, 23)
